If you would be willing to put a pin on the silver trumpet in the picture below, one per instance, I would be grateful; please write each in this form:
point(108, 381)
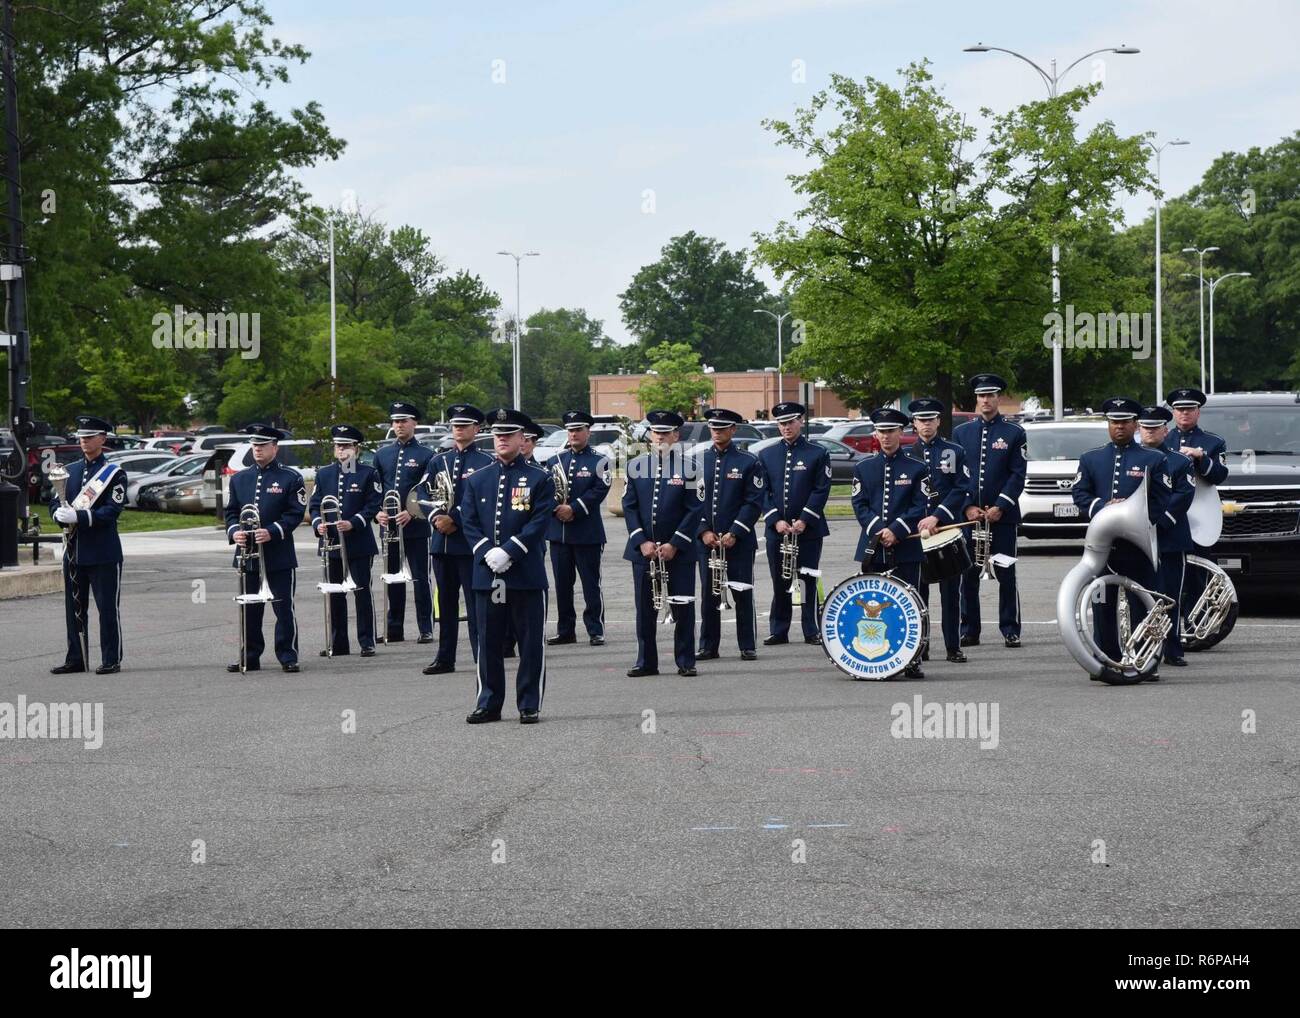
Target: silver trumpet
point(247, 560)
point(982, 550)
point(331, 514)
point(659, 587)
point(790, 566)
point(1086, 583)
point(718, 575)
point(59, 481)
point(396, 569)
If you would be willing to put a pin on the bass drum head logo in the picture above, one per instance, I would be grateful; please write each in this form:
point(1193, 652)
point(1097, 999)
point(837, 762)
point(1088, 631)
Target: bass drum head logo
point(873, 626)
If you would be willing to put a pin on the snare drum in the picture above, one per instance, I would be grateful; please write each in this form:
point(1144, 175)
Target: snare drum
point(873, 626)
point(946, 554)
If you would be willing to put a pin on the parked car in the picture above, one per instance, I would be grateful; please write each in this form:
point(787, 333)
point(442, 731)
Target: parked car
point(43, 451)
point(182, 495)
point(422, 429)
point(767, 429)
point(141, 461)
point(1260, 544)
point(293, 453)
point(210, 441)
point(1047, 509)
point(604, 440)
point(843, 457)
point(855, 434)
point(179, 467)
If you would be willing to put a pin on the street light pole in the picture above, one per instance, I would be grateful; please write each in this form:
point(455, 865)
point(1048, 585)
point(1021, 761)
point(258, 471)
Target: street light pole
point(1213, 285)
point(1160, 349)
point(519, 324)
point(1200, 296)
point(780, 374)
point(1052, 81)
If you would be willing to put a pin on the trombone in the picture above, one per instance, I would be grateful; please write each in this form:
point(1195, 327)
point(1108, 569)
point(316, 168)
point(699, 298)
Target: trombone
point(331, 514)
point(392, 535)
point(790, 566)
point(248, 560)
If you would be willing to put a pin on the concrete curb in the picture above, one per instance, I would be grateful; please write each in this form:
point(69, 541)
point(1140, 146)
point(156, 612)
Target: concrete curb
point(31, 581)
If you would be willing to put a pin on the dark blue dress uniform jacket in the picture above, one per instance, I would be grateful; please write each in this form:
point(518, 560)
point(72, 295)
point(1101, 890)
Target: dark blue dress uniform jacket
point(947, 486)
point(508, 507)
point(96, 538)
point(997, 477)
point(589, 478)
point(1115, 472)
point(1213, 466)
point(281, 499)
point(360, 492)
point(1175, 531)
point(888, 491)
point(401, 467)
point(676, 508)
point(733, 494)
point(798, 483)
point(461, 466)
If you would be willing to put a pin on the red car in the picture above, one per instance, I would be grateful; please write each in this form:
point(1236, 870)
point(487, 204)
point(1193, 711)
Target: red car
point(861, 435)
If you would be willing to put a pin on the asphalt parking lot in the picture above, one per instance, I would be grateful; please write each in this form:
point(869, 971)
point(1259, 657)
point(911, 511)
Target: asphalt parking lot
point(769, 793)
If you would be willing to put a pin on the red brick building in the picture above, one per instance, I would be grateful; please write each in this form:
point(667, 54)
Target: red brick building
point(746, 392)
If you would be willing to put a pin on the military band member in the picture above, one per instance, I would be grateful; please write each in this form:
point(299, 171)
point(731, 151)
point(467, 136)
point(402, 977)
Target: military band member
point(95, 496)
point(280, 496)
point(946, 497)
point(733, 503)
point(1108, 476)
point(531, 434)
point(996, 456)
point(359, 491)
point(889, 503)
point(503, 516)
point(400, 467)
point(453, 558)
point(1209, 455)
point(1175, 534)
point(661, 506)
point(797, 483)
point(576, 533)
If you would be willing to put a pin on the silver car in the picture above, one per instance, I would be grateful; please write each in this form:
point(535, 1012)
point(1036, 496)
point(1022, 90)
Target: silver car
point(1047, 507)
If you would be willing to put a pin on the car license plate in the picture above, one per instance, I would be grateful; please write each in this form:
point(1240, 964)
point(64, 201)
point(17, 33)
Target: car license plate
point(1063, 510)
point(1230, 563)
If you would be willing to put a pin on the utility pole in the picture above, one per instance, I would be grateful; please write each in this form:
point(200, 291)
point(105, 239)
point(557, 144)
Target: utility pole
point(13, 333)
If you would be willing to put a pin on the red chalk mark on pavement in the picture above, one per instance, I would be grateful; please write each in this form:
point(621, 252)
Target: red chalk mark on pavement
point(744, 734)
point(894, 829)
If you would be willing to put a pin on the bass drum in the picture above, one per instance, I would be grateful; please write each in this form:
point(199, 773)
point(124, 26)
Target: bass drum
point(946, 554)
point(873, 626)
point(1226, 613)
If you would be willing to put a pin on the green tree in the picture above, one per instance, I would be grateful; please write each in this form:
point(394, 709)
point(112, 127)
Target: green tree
point(701, 294)
point(562, 349)
point(320, 406)
point(678, 383)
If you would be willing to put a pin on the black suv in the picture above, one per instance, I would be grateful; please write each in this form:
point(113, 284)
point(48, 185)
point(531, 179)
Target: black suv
point(1260, 543)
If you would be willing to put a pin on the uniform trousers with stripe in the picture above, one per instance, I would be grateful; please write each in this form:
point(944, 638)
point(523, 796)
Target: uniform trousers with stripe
point(782, 611)
point(359, 570)
point(1124, 561)
point(283, 583)
point(569, 564)
point(681, 584)
point(1169, 581)
point(105, 581)
point(949, 603)
point(416, 547)
point(525, 612)
point(740, 567)
point(1003, 543)
point(454, 573)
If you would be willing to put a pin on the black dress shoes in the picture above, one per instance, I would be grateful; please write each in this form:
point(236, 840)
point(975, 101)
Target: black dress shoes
point(1013, 642)
point(957, 657)
point(636, 673)
point(913, 672)
point(706, 655)
point(250, 668)
point(72, 669)
point(1177, 662)
point(970, 641)
point(290, 668)
point(108, 669)
point(597, 641)
point(687, 672)
point(438, 668)
point(773, 641)
point(481, 716)
point(747, 655)
point(396, 638)
point(816, 641)
point(368, 652)
point(557, 641)
point(337, 653)
point(529, 717)
point(425, 638)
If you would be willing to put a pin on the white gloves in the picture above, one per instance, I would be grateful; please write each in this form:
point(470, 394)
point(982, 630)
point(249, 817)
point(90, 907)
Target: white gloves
point(65, 514)
point(498, 560)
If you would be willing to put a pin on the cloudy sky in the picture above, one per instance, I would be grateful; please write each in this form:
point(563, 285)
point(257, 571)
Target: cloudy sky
point(542, 125)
